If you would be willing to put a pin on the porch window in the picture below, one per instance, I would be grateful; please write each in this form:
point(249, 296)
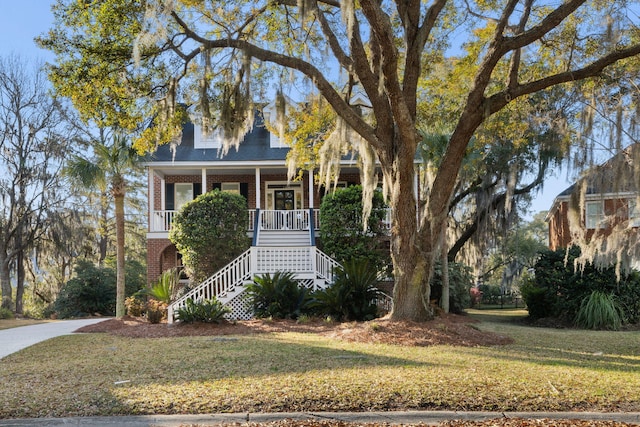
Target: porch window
point(594, 214)
point(231, 187)
point(179, 193)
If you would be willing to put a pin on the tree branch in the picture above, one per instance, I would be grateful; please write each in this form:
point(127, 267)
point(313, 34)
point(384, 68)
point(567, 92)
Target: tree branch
point(481, 214)
point(383, 33)
point(515, 59)
point(324, 86)
point(497, 101)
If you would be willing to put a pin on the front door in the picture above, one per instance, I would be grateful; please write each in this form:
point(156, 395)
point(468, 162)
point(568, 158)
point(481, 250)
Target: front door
point(284, 200)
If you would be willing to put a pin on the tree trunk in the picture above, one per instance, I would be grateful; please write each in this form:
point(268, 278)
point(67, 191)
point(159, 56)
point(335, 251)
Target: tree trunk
point(444, 301)
point(412, 263)
point(120, 291)
point(5, 282)
point(20, 277)
point(103, 229)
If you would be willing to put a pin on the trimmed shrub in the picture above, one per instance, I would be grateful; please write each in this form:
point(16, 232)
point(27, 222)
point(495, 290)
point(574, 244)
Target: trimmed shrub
point(278, 296)
point(210, 232)
point(155, 310)
point(206, 311)
point(93, 290)
point(135, 305)
point(352, 296)
point(342, 231)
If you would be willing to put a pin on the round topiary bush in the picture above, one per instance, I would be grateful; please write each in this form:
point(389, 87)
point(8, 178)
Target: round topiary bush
point(210, 232)
point(343, 234)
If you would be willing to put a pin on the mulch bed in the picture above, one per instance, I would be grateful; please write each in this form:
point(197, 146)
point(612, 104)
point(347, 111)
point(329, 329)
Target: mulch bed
point(449, 329)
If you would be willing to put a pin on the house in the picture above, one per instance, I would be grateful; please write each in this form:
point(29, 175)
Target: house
point(600, 209)
point(282, 218)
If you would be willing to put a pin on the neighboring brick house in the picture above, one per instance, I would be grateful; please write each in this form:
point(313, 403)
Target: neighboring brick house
point(604, 199)
point(282, 216)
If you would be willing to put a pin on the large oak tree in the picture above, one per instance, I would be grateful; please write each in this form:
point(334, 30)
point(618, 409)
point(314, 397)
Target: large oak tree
point(130, 60)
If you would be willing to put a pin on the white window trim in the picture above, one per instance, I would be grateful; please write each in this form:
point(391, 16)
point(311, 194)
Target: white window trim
point(211, 140)
point(271, 186)
point(593, 221)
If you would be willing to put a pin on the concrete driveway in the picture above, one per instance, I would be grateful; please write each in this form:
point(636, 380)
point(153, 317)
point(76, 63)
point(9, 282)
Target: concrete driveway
point(15, 339)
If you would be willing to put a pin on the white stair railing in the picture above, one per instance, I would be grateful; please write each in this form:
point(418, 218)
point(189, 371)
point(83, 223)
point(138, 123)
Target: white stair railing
point(219, 285)
point(224, 284)
point(325, 265)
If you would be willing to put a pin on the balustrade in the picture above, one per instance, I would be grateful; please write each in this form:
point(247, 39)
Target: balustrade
point(269, 220)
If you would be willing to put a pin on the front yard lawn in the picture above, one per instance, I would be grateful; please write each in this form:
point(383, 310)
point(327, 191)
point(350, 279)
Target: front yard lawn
point(103, 374)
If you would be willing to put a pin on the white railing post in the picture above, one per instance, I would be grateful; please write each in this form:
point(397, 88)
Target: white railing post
point(314, 265)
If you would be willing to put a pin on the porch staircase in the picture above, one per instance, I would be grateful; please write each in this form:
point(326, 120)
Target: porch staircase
point(289, 249)
point(311, 267)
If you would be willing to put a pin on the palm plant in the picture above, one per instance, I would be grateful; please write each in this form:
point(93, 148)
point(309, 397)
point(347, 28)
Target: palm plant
point(107, 169)
point(206, 311)
point(277, 296)
point(353, 294)
point(165, 288)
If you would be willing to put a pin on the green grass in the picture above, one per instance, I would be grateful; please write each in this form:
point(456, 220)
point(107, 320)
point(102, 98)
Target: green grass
point(100, 374)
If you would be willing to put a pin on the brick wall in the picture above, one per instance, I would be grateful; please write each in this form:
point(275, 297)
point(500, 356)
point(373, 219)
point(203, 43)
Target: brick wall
point(559, 234)
point(161, 256)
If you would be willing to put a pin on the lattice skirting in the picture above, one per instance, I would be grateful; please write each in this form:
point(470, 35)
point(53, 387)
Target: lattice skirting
point(239, 308)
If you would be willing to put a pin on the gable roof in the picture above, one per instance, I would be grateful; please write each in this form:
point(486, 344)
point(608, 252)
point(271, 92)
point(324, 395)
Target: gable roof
point(615, 176)
point(254, 147)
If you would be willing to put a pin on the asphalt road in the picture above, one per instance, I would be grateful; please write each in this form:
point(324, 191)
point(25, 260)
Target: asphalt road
point(16, 339)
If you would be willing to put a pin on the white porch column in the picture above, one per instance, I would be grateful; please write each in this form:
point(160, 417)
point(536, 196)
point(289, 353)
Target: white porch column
point(204, 180)
point(258, 193)
point(163, 195)
point(152, 199)
point(311, 189)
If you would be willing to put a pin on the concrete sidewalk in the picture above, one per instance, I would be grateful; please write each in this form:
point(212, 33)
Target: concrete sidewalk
point(15, 339)
point(400, 417)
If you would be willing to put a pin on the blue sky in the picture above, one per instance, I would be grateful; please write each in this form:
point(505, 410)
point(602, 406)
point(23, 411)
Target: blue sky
point(22, 20)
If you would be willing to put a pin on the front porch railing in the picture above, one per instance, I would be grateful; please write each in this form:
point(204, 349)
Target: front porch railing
point(269, 220)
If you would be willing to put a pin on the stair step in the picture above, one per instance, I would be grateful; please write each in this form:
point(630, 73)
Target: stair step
point(284, 238)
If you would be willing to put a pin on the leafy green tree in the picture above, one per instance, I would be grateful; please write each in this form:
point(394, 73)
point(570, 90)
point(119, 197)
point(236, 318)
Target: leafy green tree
point(345, 235)
point(460, 283)
point(210, 232)
point(108, 168)
point(152, 57)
